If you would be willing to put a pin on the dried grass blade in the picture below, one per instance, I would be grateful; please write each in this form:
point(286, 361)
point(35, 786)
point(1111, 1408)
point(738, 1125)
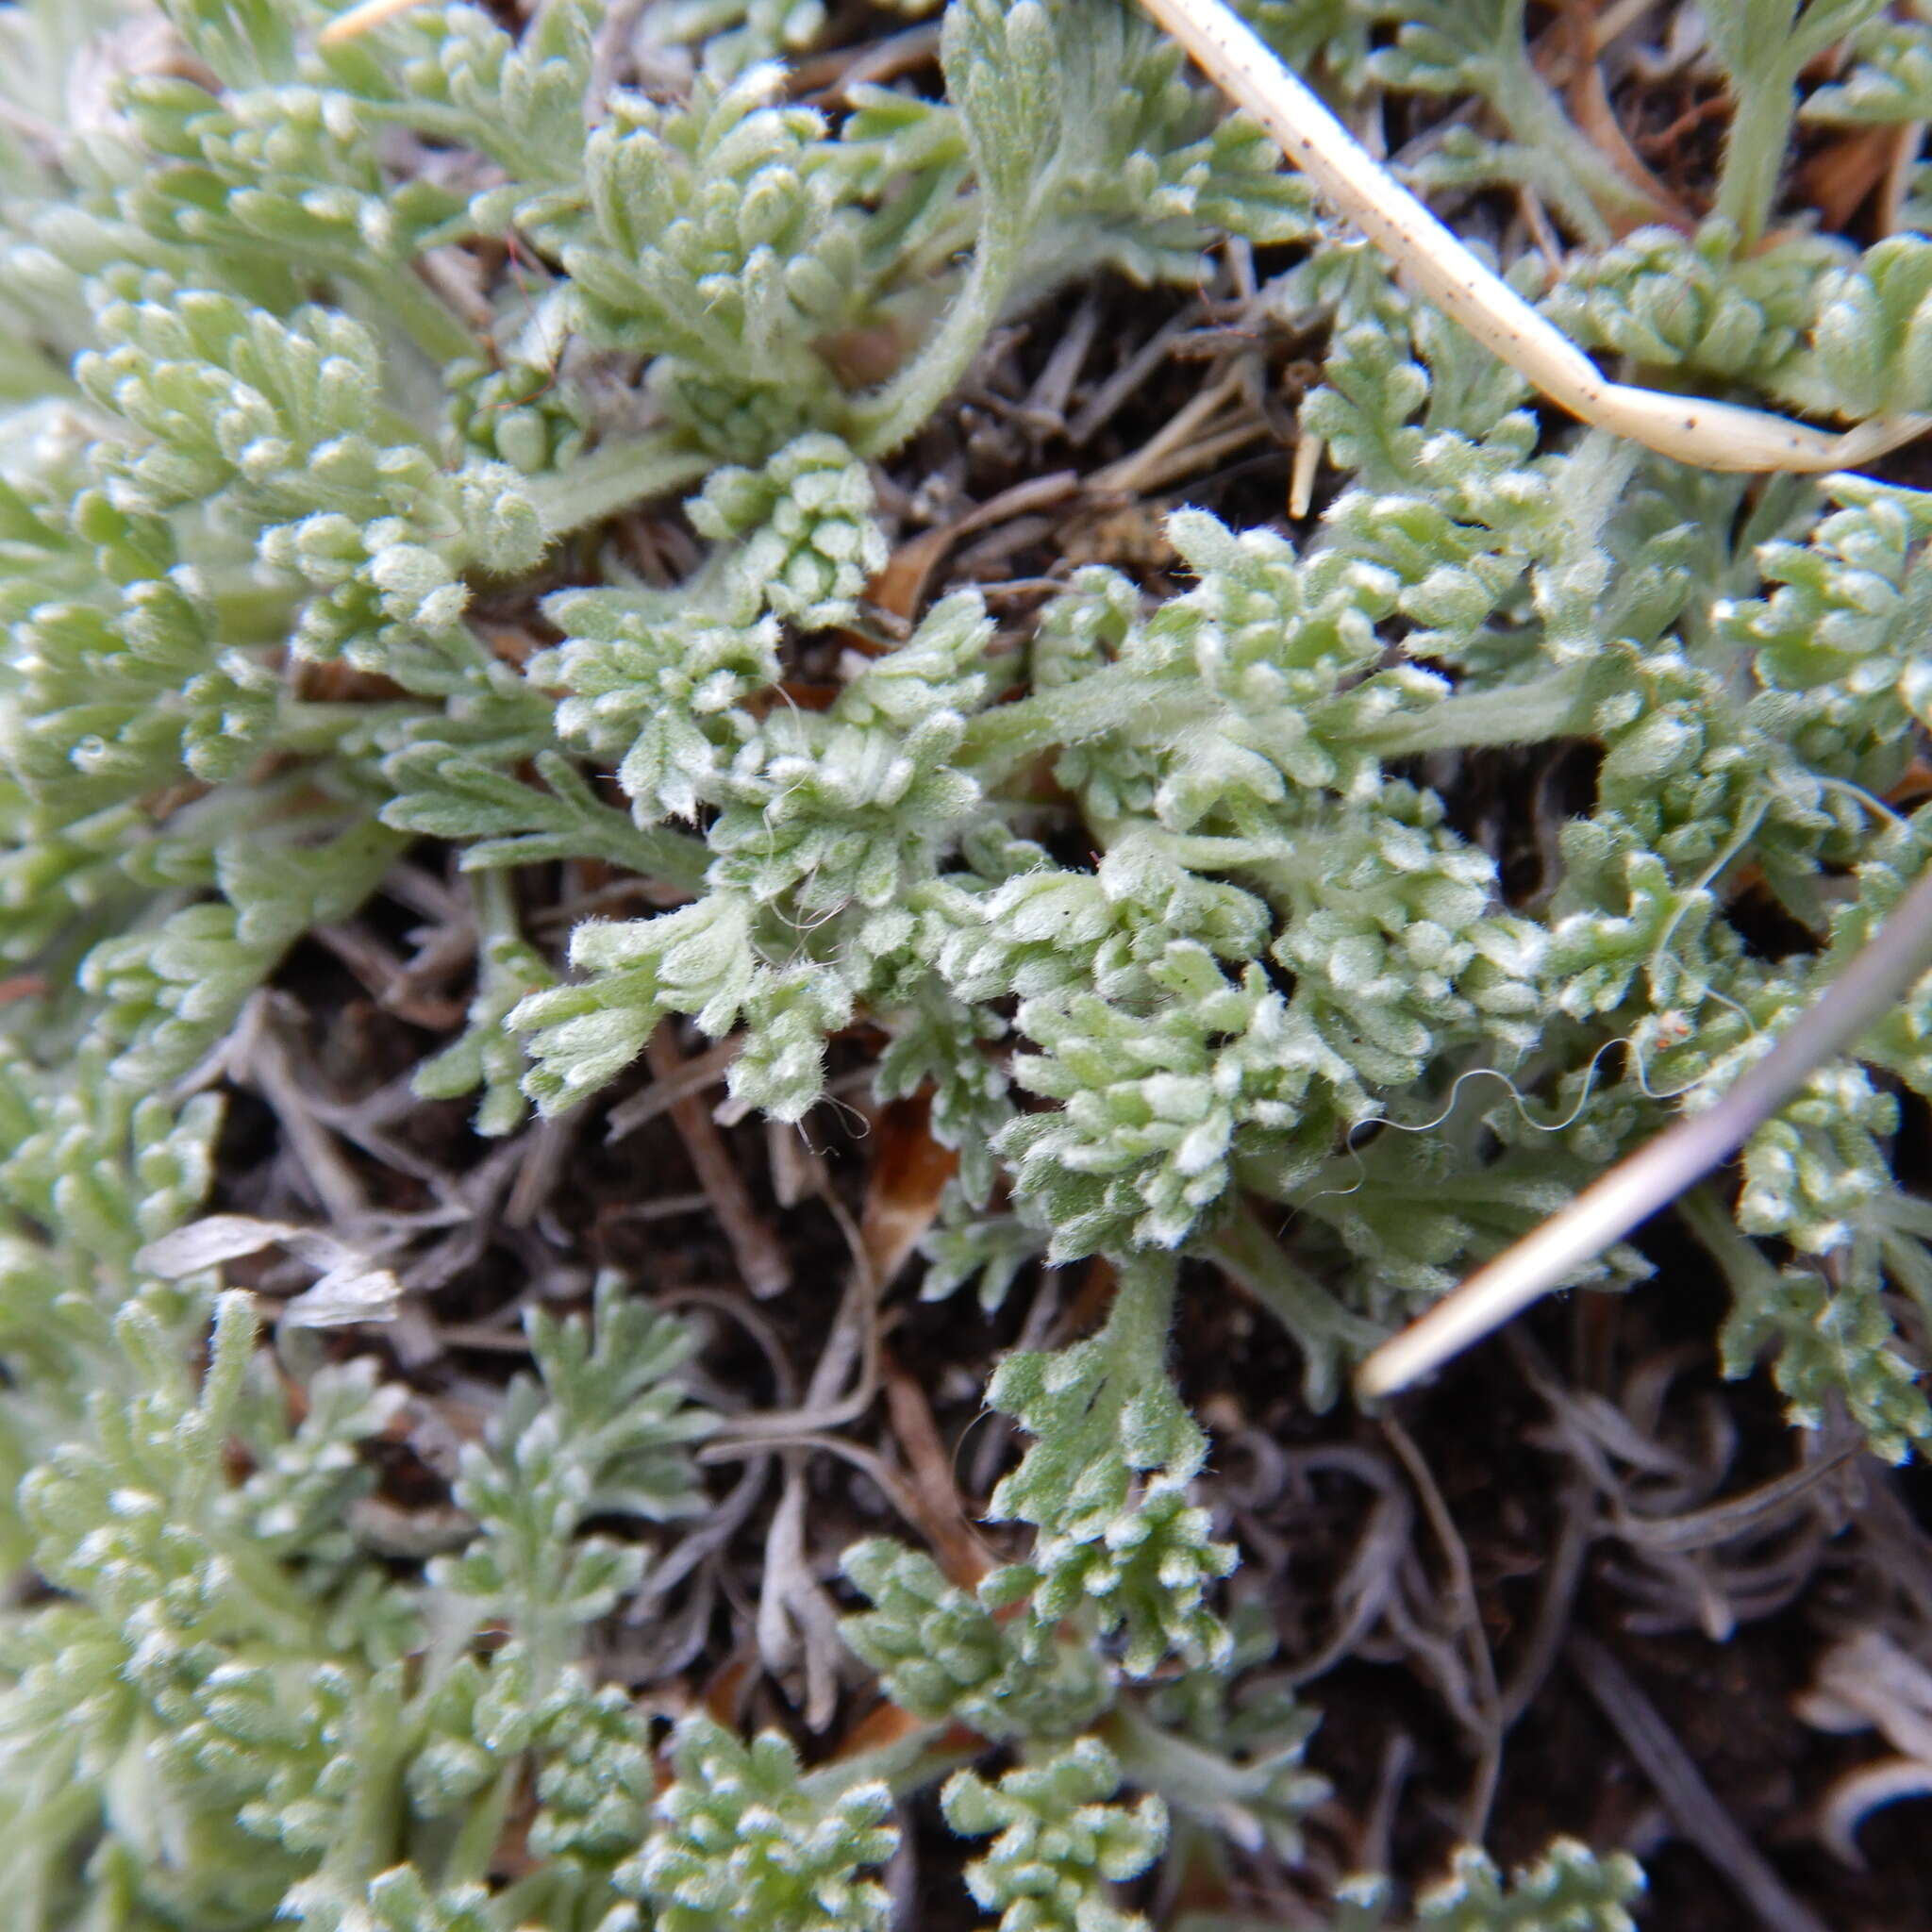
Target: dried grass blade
point(1887, 966)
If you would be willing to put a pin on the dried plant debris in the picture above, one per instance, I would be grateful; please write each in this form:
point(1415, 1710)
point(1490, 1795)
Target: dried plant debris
point(797, 803)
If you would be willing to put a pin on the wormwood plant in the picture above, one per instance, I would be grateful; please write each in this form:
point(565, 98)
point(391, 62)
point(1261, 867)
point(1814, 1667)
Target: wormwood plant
point(310, 355)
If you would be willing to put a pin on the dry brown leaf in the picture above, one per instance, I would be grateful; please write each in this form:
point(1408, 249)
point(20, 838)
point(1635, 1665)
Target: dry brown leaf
point(1842, 175)
point(910, 1172)
point(900, 588)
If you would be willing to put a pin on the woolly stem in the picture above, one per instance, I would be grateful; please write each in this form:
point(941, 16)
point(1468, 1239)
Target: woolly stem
point(434, 327)
point(880, 423)
point(387, 1736)
point(1009, 735)
point(1755, 152)
point(612, 478)
point(906, 1764)
point(1322, 1328)
point(1556, 705)
point(1192, 1778)
point(1741, 1260)
point(1536, 119)
point(475, 1847)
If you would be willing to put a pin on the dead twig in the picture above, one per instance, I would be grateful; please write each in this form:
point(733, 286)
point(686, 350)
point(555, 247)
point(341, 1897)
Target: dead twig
point(1555, 1603)
point(1907, 141)
point(941, 1515)
point(331, 1181)
point(1888, 965)
point(1488, 1710)
point(1693, 1809)
point(1755, 1510)
point(1101, 407)
point(760, 1258)
point(853, 1338)
point(1135, 474)
point(703, 1070)
point(1370, 1581)
point(1712, 435)
point(831, 77)
point(1046, 401)
point(797, 1623)
point(545, 1149)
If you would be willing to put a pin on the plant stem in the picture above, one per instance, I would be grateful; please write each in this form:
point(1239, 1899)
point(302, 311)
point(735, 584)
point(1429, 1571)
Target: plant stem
point(1741, 1260)
point(1009, 735)
point(435, 328)
point(1755, 151)
point(906, 1764)
point(470, 1857)
point(881, 421)
point(1536, 119)
point(387, 1737)
point(1556, 705)
point(1325, 1329)
point(612, 478)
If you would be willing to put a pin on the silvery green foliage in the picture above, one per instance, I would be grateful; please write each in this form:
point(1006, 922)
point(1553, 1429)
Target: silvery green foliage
point(1220, 1746)
point(656, 687)
point(1676, 301)
point(605, 1432)
point(941, 1651)
point(168, 993)
point(821, 889)
point(1224, 1747)
point(226, 1658)
point(1569, 1889)
point(1060, 1842)
point(398, 1901)
point(1105, 1486)
point(1807, 319)
point(1441, 47)
point(809, 543)
point(309, 1473)
point(1176, 911)
point(226, 404)
point(729, 238)
point(146, 1661)
point(1838, 624)
point(746, 1841)
point(1835, 1342)
point(1889, 78)
point(1567, 1886)
point(485, 1054)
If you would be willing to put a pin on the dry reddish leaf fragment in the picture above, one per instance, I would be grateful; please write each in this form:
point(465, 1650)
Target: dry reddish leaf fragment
point(1842, 175)
point(885, 1723)
point(722, 1698)
point(935, 1496)
point(1589, 102)
point(900, 588)
point(910, 1172)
